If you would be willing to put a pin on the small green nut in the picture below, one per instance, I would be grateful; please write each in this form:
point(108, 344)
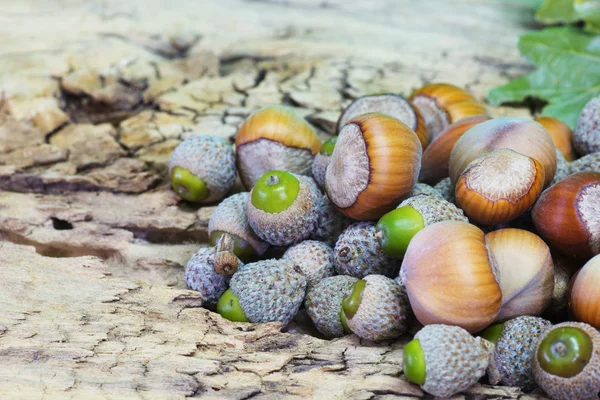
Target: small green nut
point(492, 333)
point(188, 186)
point(275, 191)
point(397, 228)
point(229, 307)
point(565, 351)
point(351, 303)
point(328, 147)
point(241, 248)
point(414, 362)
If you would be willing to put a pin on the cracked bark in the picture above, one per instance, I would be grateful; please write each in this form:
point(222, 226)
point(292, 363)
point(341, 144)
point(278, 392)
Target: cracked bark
point(93, 242)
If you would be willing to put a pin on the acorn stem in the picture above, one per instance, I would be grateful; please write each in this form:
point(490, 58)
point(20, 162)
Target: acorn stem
point(273, 180)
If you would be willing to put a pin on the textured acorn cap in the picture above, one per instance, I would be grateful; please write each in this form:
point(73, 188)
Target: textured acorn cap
point(434, 209)
point(314, 258)
point(510, 363)
point(330, 222)
point(292, 225)
point(269, 290)
point(446, 189)
point(586, 137)
point(454, 360)
point(422, 188)
point(590, 162)
point(563, 168)
point(324, 304)
point(319, 167)
point(200, 275)
point(230, 216)
point(390, 104)
point(358, 253)
point(211, 159)
point(583, 386)
point(275, 138)
point(383, 311)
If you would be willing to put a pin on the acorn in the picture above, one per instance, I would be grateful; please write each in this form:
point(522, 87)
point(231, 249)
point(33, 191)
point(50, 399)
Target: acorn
point(566, 362)
point(499, 186)
point(586, 137)
point(423, 188)
point(230, 217)
point(321, 161)
point(200, 275)
point(510, 363)
point(522, 135)
point(566, 215)
point(434, 165)
point(330, 222)
point(563, 168)
point(396, 228)
point(525, 272)
point(450, 278)
point(444, 360)
point(442, 104)
point(314, 258)
point(564, 268)
point(324, 304)
point(447, 190)
point(590, 162)
point(393, 105)
point(358, 253)
point(375, 308)
point(585, 293)
point(275, 138)
point(265, 291)
point(282, 209)
point(202, 169)
point(360, 180)
point(561, 134)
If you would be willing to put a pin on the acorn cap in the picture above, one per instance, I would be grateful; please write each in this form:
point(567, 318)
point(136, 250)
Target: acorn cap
point(230, 216)
point(324, 304)
point(269, 290)
point(275, 138)
point(292, 225)
point(210, 159)
point(587, 163)
point(383, 311)
point(390, 104)
point(510, 363)
point(586, 137)
point(200, 275)
point(563, 168)
point(454, 360)
point(314, 258)
point(434, 209)
point(583, 386)
point(447, 190)
point(358, 253)
point(422, 188)
point(330, 222)
point(319, 167)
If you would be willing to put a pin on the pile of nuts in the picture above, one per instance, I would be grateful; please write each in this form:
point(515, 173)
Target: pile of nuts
point(422, 214)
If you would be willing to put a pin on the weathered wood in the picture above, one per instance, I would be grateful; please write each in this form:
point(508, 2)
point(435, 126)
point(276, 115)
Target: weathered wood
point(96, 95)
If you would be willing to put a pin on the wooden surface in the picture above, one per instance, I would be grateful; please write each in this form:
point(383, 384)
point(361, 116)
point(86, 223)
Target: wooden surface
point(95, 96)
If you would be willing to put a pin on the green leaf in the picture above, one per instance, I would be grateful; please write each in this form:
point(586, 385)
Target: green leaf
point(556, 11)
point(568, 73)
point(589, 11)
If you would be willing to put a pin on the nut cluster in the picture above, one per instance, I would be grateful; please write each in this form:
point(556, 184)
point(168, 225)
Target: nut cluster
point(502, 254)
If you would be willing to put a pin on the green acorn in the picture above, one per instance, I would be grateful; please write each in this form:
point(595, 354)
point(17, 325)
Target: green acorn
point(358, 253)
point(396, 228)
point(586, 136)
point(324, 304)
point(375, 308)
point(230, 217)
point(314, 258)
point(321, 161)
point(510, 363)
point(566, 362)
point(283, 208)
point(202, 169)
point(445, 360)
point(267, 291)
